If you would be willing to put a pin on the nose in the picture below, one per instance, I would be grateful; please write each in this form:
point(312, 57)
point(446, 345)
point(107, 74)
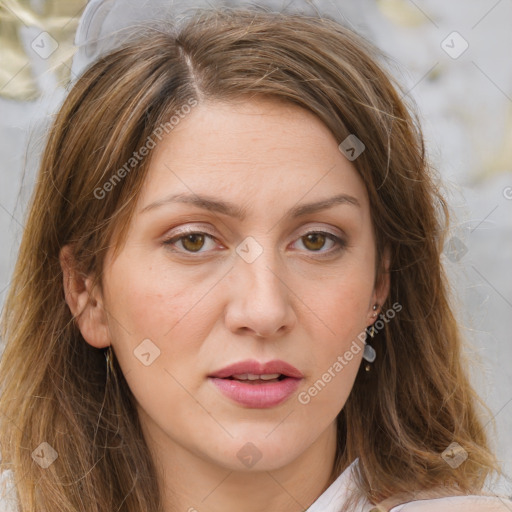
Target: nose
point(260, 299)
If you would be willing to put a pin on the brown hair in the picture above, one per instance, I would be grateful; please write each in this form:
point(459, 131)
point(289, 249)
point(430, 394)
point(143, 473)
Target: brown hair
point(398, 418)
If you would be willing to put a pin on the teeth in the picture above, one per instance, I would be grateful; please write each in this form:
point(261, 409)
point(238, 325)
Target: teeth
point(270, 376)
point(251, 376)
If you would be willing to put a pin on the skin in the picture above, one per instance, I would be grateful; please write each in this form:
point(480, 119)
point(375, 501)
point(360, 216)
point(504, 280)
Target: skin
point(207, 309)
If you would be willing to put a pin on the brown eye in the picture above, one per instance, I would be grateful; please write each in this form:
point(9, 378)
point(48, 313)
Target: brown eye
point(324, 243)
point(314, 241)
point(192, 242)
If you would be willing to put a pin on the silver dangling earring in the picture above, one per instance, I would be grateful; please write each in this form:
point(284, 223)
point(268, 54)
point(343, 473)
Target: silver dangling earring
point(369, 353)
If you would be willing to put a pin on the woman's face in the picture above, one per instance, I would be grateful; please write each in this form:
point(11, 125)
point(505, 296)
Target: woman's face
point(266, 277)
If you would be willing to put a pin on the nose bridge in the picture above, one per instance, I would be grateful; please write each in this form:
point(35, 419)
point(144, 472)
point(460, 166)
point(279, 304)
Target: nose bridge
point(259, 265)
point(260, 300)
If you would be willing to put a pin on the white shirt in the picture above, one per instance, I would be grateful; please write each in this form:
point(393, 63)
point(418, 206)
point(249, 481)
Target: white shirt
point(335, 495)
point(8, 500)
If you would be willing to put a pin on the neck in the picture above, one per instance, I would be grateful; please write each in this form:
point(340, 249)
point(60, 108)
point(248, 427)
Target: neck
point(192, 483)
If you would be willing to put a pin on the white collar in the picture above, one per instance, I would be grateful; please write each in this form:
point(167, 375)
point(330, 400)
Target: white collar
point(337, 493)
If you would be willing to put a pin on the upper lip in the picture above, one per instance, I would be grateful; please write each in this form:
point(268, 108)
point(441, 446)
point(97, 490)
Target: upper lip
point(257, 368)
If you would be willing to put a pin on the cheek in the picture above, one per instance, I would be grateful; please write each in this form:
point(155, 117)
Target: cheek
point(170, 309)
point(149, 300)
point(342, 300)
point(166, 315)
point(340, 306)
point(336, 355)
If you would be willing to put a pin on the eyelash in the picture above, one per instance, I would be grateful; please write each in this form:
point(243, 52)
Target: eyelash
point(342, 244)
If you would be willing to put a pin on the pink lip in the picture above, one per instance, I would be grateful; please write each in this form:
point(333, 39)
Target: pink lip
point(258, 396)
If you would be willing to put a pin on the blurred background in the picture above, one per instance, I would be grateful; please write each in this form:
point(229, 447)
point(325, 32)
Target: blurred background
point(453, 59)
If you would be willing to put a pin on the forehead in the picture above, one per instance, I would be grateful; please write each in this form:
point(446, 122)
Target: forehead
point(251, 149)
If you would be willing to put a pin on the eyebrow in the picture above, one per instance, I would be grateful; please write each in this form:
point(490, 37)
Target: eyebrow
point(240, 213)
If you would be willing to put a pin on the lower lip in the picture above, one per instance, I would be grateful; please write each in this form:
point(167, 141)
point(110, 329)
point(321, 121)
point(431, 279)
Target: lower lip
point(257, 396)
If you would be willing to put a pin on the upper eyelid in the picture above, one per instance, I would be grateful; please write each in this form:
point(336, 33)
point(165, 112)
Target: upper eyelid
point(202, 229)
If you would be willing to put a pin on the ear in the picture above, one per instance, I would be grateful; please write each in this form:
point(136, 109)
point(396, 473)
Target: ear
point(85, 304)
point(382, 284)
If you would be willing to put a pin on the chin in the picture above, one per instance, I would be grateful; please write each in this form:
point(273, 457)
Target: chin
point(254, 452)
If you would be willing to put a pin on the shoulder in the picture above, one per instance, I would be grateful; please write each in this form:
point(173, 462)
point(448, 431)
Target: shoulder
point(457, 504)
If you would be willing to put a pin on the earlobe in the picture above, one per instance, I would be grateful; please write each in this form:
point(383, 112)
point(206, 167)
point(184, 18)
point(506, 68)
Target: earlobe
point(85, 304)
